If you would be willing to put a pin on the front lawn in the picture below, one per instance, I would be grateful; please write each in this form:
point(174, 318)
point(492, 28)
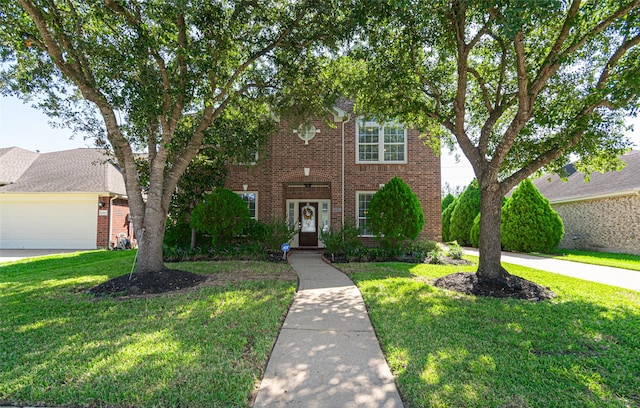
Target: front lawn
point(204, 347)
point(625, 261)
point(446, 349)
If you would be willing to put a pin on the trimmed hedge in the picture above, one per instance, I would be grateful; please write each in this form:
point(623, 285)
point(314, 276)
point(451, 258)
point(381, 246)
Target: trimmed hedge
point(222, 214)
point(528, 222)
point(463, 215)
point(395, 213)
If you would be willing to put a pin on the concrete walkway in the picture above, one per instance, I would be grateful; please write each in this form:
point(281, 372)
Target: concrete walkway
point(623, 278)
point(327, 354)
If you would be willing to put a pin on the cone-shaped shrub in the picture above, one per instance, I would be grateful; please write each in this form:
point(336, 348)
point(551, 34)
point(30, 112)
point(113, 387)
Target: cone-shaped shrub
point(465, 212)
point(449, 198)
point(395, 214)
point(446, 220)
point(474, 233)
point(528, 222)
point(222, 214)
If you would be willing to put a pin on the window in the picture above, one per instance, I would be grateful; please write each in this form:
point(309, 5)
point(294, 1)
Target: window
point(363, 199)
point(253, 159)
point(251, 198)
point(381, 143)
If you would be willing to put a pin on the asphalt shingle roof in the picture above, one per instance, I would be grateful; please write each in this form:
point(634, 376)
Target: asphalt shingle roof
point(77, 170)
point(601, 184)
point(14, 161)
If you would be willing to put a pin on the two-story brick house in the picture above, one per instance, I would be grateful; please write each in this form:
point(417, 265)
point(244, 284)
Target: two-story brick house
point(323, 173)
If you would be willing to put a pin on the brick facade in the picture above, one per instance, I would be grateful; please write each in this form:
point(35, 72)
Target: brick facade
point(290, 172)
point(117, 211)
point(607, 224)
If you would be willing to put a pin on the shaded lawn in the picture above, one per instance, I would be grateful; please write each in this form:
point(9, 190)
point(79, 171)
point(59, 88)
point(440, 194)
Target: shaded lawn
point(446, 349)
point(625, 261)
point(204, 347)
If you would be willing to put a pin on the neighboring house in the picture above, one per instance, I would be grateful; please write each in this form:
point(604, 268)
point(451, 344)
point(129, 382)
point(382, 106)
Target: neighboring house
point(602, 214)
point(72, 199)
point(323, 173)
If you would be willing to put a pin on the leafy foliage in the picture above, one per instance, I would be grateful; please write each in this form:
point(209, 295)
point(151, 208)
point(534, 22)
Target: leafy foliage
point(448, 199)
point(345, 241)
point(168, 78)
point(465, 212)
point(395, 214)
point(520, 86)
point(529, 224)
point(222, 214)
point(446, 220)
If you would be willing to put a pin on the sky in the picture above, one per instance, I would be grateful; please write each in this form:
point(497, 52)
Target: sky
point(25, 127)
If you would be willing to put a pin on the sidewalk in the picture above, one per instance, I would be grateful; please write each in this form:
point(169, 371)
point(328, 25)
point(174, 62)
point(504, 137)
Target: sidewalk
point(327, 354)
point(623, 278)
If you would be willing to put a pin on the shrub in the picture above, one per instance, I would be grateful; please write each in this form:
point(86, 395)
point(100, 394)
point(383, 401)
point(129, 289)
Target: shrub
point(435, 256)
point(275, 233)
point(222, 214)
point(345, 241)
point(462, 217)
point(528, 223)
point(474, 232)
point(395, 214)
point(449, 198)
point(455, 250)
point(446, 220)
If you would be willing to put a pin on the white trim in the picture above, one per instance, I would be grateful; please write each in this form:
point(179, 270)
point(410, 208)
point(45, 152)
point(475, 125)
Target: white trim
point(255, 193)
point(357, 212)
point(295, 242)
point(381, 143)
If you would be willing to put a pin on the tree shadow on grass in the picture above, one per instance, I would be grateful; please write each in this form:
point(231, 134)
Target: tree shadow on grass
point(206, 347)
point(449, 349)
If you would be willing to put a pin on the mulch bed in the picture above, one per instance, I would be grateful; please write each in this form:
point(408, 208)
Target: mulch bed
point(172, 280)
point(167, 280)
point(512, 287)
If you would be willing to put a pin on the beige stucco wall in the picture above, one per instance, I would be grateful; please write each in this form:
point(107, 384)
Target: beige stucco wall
point(605, 224)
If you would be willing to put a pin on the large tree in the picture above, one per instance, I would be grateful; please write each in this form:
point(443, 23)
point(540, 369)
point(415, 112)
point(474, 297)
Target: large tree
point(154, 76)
point(519, 85)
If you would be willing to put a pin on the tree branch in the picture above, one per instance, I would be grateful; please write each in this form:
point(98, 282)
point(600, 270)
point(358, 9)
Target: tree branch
point(483, 89)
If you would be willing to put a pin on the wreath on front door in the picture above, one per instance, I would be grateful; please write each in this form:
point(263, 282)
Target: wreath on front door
point(307, 213)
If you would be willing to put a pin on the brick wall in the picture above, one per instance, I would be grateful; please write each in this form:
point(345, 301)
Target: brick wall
point(279, 174)
point(119, 209)
point(607, 224)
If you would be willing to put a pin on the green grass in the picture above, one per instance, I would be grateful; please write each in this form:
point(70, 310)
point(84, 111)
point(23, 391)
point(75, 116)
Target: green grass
point(202, 348)
point(625, 261)
point(446, 349)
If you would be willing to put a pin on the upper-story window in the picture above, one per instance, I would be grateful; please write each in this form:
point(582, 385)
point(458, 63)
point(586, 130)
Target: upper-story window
point(381, 143)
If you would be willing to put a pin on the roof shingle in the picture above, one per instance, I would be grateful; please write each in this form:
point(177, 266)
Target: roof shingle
point(77, 170)
point(601, 184)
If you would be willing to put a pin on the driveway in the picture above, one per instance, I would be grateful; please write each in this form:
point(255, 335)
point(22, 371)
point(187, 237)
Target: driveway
point(623, 278)
point(9, 255)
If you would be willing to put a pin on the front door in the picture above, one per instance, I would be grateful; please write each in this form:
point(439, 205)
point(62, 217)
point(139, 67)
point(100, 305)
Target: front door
point(308, 225)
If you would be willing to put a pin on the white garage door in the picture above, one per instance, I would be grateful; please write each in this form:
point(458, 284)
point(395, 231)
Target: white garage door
point(47, 221)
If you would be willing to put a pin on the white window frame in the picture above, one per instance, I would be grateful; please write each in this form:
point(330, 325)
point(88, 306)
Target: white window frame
point(381, 142)
point(255, 193)
point(358, 217)
point(256, 157)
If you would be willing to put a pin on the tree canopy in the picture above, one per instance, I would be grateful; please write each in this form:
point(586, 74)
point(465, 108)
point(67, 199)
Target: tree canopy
point(154, 76)
point(519, 86)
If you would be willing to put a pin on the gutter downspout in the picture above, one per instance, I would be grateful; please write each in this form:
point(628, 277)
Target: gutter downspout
point(343, 170)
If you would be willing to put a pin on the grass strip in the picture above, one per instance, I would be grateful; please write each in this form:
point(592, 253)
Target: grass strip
point(624, 261)
point(446, 349)
point(205, 347)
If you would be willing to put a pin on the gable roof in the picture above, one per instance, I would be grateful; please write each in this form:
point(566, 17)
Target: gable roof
point(76, 170)
point(15, 161)
point(609, 184)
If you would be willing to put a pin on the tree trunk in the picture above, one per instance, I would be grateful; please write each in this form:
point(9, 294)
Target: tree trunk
point(150, 239)
point(489, 267)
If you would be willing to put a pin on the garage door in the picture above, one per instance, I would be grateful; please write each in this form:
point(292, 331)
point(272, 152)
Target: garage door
point(46, 221)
